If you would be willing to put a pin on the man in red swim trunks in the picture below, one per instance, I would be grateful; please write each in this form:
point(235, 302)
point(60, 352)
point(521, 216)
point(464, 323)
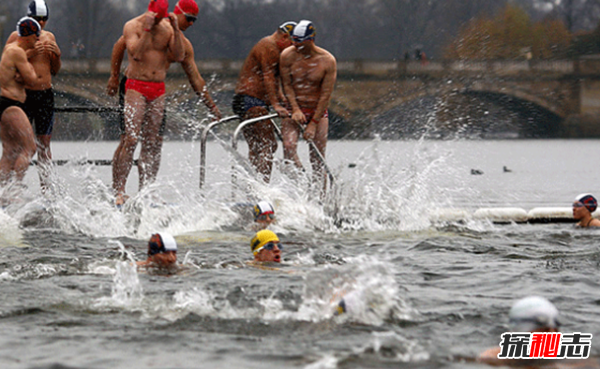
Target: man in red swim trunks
point(150, 39)
point(186, 12)
point(308, 74)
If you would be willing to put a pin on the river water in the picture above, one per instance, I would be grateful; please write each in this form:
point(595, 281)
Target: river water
point(424, 292)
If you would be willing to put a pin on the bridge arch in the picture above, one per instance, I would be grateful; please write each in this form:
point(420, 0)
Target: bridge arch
point(519, 94)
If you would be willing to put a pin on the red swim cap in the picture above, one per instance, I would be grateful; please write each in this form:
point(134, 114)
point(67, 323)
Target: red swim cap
point(186, 7)
point(160, 7)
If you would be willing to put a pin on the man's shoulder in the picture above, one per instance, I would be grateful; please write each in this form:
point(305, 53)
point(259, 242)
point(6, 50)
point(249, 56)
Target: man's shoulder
point(13, 48)
point(134, 24)
point(47, 36)
point(12, 38)
point(264, 45)
point(326, 54)
point(289, 53)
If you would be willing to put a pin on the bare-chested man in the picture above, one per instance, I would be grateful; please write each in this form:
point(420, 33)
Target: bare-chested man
point(18, 142)
point(39, 105)
point(149, 40)
point(308, 73)
point(186, 12)
point(258, 88)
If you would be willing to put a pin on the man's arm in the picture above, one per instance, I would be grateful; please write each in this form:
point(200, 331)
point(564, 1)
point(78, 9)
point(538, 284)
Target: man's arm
point(31, 52)
point(176, 43)
point(197, 82)
point(55, 54)
point(326, 88)
point(269, 59)
point(24, 67)
point(116, 60)
point(135, 43)
point(285, 70)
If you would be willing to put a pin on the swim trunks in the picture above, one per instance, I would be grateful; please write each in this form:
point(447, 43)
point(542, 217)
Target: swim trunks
point(122, 89)
point(150, 90)
point(309, 113)
point(242, 103)
point(39, 107)
point(6, 103)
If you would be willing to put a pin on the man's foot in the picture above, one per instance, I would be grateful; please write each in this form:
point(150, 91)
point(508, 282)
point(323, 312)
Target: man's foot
point(120, 200)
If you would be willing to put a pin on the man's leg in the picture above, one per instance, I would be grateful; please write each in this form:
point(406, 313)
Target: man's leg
point(44, 156)
point(18, 144)
point(134, 111)
point(290, 132)
point(150, 154)
point(261, 142)
point(320, 141)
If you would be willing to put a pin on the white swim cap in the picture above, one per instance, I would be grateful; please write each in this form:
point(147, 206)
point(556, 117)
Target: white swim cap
point(303, 31)
point(263, 208)
point(533, 313)
point(37, 8)
point(168, 241)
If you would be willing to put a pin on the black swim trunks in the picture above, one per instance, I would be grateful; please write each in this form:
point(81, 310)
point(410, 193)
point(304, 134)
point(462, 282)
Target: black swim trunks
point(161, 130)
point(6, 103)
point(242, 103)
point(39, 107)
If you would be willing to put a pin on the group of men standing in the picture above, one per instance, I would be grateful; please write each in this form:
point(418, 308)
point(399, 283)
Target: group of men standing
point(29, 60)
point(285, 70)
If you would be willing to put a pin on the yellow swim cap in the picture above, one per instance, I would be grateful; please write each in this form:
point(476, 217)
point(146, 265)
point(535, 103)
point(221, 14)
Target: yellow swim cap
point(260, 239)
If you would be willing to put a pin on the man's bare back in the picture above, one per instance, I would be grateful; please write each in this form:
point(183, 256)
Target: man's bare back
point(259, 76)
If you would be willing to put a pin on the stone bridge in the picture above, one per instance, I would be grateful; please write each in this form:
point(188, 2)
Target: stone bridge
point(568, 90)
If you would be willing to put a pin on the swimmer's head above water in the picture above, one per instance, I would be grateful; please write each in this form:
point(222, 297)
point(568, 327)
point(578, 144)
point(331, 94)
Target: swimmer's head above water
point(583, 207)
point(586, 200)
point(534, 314)
point(266, 247)
point(530, 314)
point(162, 251)
point(264, 214)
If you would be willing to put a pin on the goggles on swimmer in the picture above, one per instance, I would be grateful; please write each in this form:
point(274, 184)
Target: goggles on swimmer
point(154, 248)
point(578, 204)
point(40, 19)
point(188, 17)
point(264, 216)
point(536, 322)
point(269, 246)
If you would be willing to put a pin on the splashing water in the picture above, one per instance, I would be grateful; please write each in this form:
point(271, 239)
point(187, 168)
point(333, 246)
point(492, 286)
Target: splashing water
point(127, 291)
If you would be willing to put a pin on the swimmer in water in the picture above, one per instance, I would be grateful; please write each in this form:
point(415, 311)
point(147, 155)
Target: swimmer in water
point(583, 207)
point(266, 247)
point(264, 214)
point(531, 314)
point(534, 314)
point(162, 251)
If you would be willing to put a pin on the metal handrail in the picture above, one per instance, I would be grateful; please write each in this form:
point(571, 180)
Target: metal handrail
point(204, 138)
point(234, 139)
point(85, 109)
point(320, 156)
point(245, 123)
